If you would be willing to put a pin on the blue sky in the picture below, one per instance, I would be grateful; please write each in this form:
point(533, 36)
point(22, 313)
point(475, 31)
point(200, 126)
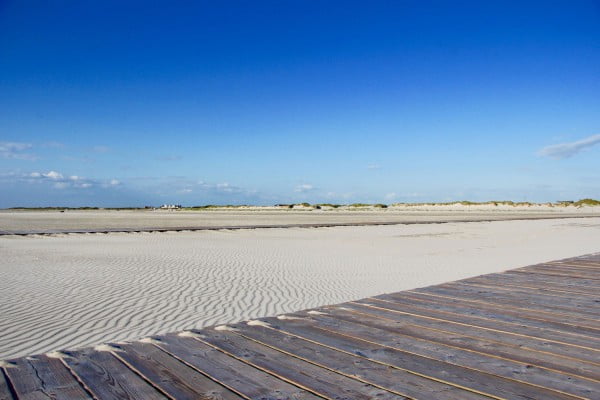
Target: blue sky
point(125, 103)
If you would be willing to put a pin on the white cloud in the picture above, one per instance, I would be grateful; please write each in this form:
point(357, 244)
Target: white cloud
point(184, 186)
point(373, 166)
point(225, 187)
point(16, 151)
point(14, 146)
point(391, 196)
point(53, 175)
point(59, 181)
point(565, 150)
point(305, 187)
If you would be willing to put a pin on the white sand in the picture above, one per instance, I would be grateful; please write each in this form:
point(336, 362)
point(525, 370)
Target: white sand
point(76, 290)
point(11, 221)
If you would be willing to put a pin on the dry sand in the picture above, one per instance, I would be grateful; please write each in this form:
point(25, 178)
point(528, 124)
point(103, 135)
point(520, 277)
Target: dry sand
point(25, 221)
point(67, 291)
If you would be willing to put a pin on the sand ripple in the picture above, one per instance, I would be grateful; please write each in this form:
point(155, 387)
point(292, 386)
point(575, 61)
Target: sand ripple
point(69, 291)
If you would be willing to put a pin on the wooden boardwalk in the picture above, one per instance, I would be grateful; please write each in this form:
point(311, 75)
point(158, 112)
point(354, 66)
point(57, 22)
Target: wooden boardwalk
point(529, 333)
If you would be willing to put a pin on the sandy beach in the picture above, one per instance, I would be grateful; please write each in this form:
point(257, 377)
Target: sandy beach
point(73, 290)
point(25, 221)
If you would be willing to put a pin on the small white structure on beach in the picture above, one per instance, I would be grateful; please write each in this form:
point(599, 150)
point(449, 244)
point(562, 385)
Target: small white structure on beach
point(170, 206)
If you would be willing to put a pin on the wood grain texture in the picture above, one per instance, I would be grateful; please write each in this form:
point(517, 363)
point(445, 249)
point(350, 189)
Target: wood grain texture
point(353, 365)
point(478, 361)
point(561, 348)
point(231, 372)
point(5, 393)
point(42, 377)
point(321, 381)
point(458, 376)
point(492, 311)
point(108, 378)
point(526, 302)
point(493, 347)
point(171, 375)
point(497, 325)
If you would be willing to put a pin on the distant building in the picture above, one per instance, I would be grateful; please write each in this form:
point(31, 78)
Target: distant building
point(170, 206)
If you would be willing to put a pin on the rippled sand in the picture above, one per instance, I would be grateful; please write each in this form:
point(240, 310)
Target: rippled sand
point(74, 290)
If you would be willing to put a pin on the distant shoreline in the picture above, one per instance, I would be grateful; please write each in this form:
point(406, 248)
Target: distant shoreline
point(325, 206)
point(281, 223)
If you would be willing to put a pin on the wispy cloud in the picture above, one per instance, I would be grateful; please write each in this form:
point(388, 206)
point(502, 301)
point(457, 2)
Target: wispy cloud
point(565, 150)
point(305, 187)
point(16, 151)
point(58, 180)
point(185, 186)
point(373, 166)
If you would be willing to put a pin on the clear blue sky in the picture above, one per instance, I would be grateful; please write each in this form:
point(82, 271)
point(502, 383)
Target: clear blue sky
point(125, 103)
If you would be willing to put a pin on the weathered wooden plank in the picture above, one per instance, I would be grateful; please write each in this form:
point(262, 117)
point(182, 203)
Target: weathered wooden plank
point(492, 385)
point(321, 381)
point(589, 273)
point(531, 286)
point(171, 375)
point(530, 300)
point(576, 265)
point(591, 267)
point(508, 280)
point(575, 301)
point(577, 341)
point(5, 393)
point(493, 312)
point(555, 274)
point(108, 378)
point(524, 276)
point(42, 377)
point(478, 344)
point(580, 315)
point(490, 332)
point(230, 372)
point(565, 299)
point(478, 361)
point(395, 379)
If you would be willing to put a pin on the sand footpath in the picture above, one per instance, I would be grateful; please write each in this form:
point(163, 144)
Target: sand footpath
point(68, 291)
